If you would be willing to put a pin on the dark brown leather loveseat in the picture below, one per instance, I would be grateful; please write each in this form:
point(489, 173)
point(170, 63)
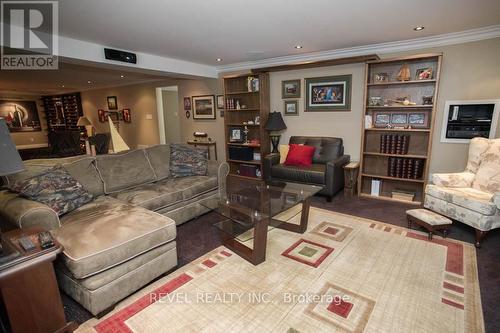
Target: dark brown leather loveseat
point(326, 169)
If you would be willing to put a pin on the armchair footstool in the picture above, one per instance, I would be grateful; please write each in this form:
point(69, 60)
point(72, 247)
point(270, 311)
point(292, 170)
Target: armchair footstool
point(428, 220)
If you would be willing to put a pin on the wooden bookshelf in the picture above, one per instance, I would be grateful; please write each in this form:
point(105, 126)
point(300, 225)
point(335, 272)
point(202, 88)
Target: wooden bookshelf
point(375, 163)
point(252, 103)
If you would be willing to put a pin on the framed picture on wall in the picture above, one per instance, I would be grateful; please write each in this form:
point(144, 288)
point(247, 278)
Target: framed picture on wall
point(187, 103)
point(112, 103)
point(220, 102)
point(291, 108)
point(127, 115)
point(328, 93)
point(20, 116)
point(290, 89)
point(103, 115)
point(204, 107)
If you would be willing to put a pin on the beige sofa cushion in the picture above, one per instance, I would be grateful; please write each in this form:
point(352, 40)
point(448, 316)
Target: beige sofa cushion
point(107, 232)
point(124, 170)
point(190, 187)
point(488, 173)
point(85, 172)
point(159, 156)
point(150, 196)
point(466, 197)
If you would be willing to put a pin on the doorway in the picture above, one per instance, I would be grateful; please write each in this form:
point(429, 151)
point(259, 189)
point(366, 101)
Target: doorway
point(167, 103)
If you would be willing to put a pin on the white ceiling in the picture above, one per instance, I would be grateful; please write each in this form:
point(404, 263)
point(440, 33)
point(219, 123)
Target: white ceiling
point(247, 30)
point(74, 77)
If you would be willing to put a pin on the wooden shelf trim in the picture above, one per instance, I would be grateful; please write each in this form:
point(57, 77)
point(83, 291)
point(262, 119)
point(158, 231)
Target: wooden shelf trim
point(395, 155)
point(420, 106)
point(244, 177)
point(255, 162)
point(398, 130)
point(387, 198)
point(242, 92)
point(395, 83)
point(393, 178)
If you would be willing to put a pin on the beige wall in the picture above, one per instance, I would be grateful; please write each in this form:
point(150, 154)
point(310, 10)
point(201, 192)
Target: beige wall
point(469, 71)
point(171, 116)
point(29, 138)
point(141, 99)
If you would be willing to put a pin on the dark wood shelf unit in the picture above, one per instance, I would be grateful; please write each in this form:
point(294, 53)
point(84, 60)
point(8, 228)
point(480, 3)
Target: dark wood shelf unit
point(252, 104)
point(374, 163)
point(63, 111)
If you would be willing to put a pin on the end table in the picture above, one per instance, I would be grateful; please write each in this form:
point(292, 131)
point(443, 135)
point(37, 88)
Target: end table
point(28, 285)
point(351, 171)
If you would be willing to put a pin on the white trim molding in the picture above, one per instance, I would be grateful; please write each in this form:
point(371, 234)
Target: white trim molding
point(381, 48)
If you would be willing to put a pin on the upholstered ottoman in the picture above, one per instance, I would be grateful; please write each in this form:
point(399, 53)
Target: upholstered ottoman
point(428, 220)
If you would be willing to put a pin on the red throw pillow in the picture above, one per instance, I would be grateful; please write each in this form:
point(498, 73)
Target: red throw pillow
point(300, 155)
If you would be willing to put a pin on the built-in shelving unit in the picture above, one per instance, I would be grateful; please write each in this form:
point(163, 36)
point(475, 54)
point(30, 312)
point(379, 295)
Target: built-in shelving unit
point(376, 162)
point(243, 103)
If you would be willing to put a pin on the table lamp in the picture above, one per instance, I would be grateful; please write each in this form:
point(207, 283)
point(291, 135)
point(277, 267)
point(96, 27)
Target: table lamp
point(10, 161)
point(275, 123)
point(84, 121)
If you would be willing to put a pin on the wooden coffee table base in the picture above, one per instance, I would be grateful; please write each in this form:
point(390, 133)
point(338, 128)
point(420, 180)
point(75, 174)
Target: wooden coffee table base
point(257, 254)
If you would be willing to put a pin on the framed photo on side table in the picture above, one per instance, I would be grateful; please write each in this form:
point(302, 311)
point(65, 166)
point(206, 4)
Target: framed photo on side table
point(328, 93)
point(204, 107)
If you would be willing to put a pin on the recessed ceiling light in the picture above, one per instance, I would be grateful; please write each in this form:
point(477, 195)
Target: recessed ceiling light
point(219, 59)
point(298, 47)
point(89, 82)
point(62, 86)
point(122, 76)
point(420, 27)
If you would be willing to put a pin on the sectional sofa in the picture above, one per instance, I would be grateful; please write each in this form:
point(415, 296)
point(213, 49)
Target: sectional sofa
point(124, 238)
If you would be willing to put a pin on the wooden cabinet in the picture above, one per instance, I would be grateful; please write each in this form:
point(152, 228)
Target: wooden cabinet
point(246, 99)
point(402, 164)
point(63, 111)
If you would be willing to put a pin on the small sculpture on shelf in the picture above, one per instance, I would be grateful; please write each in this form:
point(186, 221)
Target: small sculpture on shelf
point(404, 73)
point(427, 100)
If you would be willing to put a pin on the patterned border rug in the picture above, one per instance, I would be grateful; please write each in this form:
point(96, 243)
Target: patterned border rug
point(345, 274)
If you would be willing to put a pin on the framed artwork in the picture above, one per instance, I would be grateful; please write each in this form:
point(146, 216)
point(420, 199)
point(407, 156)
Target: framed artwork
point(102, 115)
point(291, 108)
point(187, 103)
point(424, 74)
point(399, 119)
point(236, 134)
point(112, 103)
point(220, 102)
point(20, 116)
point(114, 115)
point(329, 93)
point(381, 119)
point(418, 120)
point(127, 116)
point(204, 107)
point(380, 78)
point(188, 114)
point(290, 89)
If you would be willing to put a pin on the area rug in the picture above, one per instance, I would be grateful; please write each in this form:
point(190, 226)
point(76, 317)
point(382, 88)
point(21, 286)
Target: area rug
point(345, 274)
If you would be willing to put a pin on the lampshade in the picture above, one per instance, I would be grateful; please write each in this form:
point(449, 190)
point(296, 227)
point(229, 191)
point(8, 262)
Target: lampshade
point(83, 121)
point(10, 161)
point(275, 122)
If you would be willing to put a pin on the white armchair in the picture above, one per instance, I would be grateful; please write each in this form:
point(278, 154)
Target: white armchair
point(473, 196)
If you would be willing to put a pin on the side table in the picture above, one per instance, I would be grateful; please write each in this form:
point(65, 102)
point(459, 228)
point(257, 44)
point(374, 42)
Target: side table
point(351, 171)
point(205, 144)
point(29, 287)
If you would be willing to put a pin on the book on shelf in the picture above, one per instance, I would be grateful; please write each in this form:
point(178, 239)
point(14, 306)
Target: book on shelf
point(403, 195)
point(394, 144)
point(408, 168)
point(375, 189)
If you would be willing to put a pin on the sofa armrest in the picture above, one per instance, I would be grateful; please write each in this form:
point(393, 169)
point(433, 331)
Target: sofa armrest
point(459, 179)
point(496, 199)
point(334, 177)
point(220, 170)
point(269, 161)
point(25, 213)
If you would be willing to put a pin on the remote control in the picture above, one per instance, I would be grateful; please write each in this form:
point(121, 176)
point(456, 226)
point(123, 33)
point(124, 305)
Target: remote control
point(27, 244)
point(45, 239)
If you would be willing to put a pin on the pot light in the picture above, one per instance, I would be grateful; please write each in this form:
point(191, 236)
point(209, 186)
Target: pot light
point(419, 28)
point(122, 76)
point(89, 82)
point(298, 47)
point(62, 86)
point(219, 59)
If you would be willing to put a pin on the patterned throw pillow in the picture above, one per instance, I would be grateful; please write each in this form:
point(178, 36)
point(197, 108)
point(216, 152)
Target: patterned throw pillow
point(55, 188)
point(187, 161)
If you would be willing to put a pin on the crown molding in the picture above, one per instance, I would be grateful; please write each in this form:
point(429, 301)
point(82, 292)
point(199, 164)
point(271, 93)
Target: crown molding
point(381, 48)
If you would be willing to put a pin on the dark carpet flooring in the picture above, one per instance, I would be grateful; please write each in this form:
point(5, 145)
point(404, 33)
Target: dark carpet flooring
point(197, 237)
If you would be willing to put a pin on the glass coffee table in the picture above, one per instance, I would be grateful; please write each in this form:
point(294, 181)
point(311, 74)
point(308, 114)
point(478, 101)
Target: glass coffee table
point(250, 210)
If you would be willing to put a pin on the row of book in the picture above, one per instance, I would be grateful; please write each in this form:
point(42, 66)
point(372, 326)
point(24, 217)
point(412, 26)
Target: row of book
point(409, 168)
point(233, 103)
point(394, 144)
